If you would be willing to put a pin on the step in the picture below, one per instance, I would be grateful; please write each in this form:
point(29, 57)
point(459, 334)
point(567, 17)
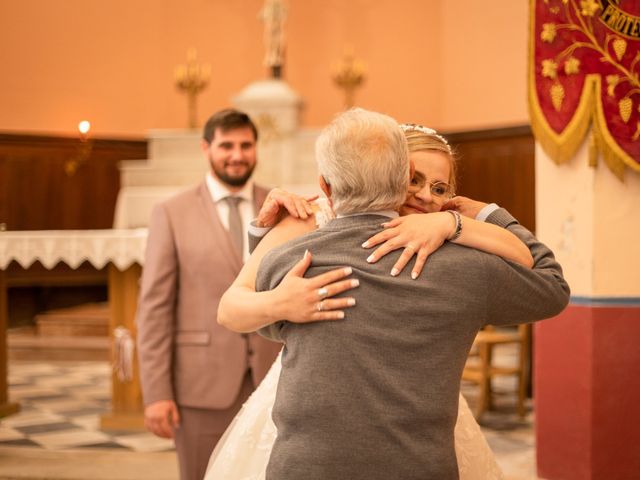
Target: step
point(26, 344)
point(87, 320)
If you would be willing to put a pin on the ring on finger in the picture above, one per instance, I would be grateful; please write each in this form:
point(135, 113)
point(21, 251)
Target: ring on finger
point(320, 305)
point(411, 247)
point(323, 292)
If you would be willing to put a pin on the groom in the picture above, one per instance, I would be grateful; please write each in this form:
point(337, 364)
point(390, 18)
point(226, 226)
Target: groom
point(375, 396)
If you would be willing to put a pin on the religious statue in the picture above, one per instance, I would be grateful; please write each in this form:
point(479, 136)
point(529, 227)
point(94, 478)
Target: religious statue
point(273, 14)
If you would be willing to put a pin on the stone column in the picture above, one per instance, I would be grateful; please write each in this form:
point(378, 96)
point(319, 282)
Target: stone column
point(586, 360)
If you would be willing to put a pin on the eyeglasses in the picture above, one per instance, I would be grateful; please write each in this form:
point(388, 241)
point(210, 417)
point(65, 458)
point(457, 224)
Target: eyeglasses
point(438, 189)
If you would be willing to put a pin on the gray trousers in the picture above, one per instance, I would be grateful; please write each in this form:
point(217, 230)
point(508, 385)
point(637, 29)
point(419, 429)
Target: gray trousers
point(199, 432)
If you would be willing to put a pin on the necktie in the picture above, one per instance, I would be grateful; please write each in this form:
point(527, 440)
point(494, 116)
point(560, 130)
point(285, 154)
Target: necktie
point(235, 223)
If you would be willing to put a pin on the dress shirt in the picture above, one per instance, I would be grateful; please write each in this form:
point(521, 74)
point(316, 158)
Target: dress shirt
point(486, 211)
point(219, 192)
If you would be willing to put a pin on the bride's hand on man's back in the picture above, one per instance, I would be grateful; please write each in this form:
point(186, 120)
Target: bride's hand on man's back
point(280, 203)
point(304, 300)
point(417, 234)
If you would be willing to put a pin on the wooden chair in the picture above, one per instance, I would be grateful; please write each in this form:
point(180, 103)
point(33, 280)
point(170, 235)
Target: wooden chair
point(480, 368)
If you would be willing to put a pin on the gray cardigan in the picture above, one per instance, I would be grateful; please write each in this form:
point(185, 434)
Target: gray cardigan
point(375, 396)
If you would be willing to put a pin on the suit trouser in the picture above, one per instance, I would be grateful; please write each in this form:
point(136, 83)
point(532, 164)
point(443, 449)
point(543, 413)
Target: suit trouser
point(199, 432)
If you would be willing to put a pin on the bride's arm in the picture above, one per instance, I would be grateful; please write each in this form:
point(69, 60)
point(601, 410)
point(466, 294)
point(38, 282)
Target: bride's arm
point(422, 234)
point(296, 299)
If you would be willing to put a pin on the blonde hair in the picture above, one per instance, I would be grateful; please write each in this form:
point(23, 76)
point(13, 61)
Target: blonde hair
point(363, 156)
point(425, 139)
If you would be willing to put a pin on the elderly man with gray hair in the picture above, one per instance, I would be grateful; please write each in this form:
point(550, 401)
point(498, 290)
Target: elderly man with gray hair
point(375, 396)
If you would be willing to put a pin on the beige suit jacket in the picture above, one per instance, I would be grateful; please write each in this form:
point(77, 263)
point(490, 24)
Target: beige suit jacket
point(184, 355)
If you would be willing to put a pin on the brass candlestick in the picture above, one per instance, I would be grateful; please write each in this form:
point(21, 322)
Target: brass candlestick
point(192, 79)
point(349, 74)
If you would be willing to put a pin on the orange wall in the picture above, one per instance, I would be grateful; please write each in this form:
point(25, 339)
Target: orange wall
point(112, 62)
point(484, 68)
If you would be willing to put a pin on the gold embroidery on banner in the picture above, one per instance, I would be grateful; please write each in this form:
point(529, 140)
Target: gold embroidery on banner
point(557, 95)
point(624, 107)
point(619, 46)
point(589, 7)
point(589, 112)
point(549, 69)
point(612, 83)
point(621, 22)
point(572, 66)
point(548, 33)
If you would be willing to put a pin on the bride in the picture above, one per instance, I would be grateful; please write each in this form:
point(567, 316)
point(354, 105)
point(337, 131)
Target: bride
point(243, 452)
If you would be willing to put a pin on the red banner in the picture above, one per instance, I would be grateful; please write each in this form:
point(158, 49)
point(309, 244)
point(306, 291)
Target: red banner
point(584, 69)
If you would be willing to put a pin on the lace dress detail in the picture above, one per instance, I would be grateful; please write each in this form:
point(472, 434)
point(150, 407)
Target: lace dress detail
point(325, 214)
point(243, 451)
point(476, 461)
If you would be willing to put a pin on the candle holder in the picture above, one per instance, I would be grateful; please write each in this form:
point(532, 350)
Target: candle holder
point(349, 74)
point(191, 79)
point(83, 151)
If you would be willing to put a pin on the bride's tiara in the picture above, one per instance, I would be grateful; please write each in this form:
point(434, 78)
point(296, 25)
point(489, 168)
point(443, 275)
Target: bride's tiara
point(414, 127)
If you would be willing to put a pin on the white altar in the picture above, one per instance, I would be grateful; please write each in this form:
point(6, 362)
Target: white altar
point(123, 252)
point(122, 248)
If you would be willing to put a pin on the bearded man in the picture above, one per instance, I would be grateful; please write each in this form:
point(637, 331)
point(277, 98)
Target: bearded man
point(195, 374)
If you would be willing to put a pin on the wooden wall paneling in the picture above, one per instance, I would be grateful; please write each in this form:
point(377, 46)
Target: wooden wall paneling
point(38, 194)
point(498, 166)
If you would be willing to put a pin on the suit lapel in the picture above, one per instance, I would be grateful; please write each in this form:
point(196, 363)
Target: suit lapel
point(221, 235)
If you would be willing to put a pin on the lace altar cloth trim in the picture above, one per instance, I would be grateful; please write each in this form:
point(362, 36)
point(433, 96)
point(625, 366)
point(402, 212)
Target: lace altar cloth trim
point(122, 248)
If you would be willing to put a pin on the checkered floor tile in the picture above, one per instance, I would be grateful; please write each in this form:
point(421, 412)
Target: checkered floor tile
point(61, 405)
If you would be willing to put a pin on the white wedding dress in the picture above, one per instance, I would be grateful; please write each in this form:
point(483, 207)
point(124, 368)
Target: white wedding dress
point(243, 451)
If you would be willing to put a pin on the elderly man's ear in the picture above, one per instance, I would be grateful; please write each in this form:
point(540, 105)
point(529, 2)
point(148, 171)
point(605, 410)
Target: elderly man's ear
point(324, 186)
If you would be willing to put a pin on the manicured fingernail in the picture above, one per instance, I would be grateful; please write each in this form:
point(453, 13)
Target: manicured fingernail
point(371, 258)
point(306, 253)
point(414, 275)
point(351, 302)
point(355, 282)
point(340, 314)
point(348, 271)
point(365, 244)
point(394, 272)
point(385, 224)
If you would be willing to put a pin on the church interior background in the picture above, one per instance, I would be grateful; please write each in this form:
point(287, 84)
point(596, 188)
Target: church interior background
point(460, 67)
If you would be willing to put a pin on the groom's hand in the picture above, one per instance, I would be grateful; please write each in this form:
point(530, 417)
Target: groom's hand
point(161, 418)
point(280, 202)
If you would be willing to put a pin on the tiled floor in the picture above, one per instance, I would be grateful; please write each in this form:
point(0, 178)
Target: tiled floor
point(61, 404)
point(59, 423)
